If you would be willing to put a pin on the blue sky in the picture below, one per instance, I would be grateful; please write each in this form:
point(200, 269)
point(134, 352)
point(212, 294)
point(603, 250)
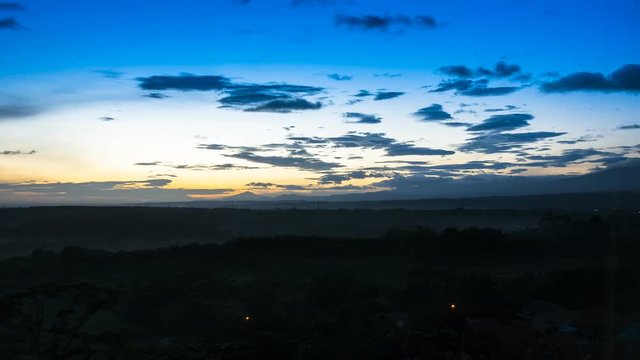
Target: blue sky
point(162, 101)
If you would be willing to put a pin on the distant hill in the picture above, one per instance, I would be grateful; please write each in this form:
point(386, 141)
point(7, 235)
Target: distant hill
point(568, 201)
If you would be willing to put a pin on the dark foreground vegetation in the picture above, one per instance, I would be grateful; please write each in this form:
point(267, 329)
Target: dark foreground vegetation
point(566, 288)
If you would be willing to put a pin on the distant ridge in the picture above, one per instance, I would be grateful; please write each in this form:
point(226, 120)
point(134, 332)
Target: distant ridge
point(577, 201)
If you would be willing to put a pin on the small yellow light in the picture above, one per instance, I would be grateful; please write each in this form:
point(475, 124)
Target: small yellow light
point(247, 318)
point(452, 306)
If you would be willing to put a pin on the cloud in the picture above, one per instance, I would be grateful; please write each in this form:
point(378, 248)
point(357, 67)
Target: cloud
point(569, 156)
point(303, 163)
point(340, 178)
point(17, 152)
point(495, 142)
point(386, 95)
point(267, 185)
point(362, 140)
point(388, 75)
point(581, 139)
point(339, 77)
point(156, 95)
point(489, 91)
point(434, 112)
point(630, 127)
point(383, 23)
point(184, 82)
point(16, 111)
point(469, 82)
point(198, 167)
point(505, 108)
point(500, 70)
point(107, 118)
point(504, 122)
point(10, 24)
point(457, 71)
point(362, 118)
point(270, 97)
point(110, 74)
point(474, 87)
point(11, 6)
point(105, 192)
point(368, 140)
point(405, 149)
point(456, 124)
point(286, 106)
point(625, 79)
point(377, 96)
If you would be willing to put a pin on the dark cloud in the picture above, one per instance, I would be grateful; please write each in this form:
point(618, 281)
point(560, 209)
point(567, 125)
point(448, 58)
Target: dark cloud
point(156, 95)
point(107, 118)
point(504, 122)
point(469, 82)
point(340, 178)
point(361, 140)
point(630, 127)
point(16, 111)
point(568, 157)
point(339, 77)
point(434, 112)
point(362, 118)
point(11, 6)
point(474, 87)
point(494, 142)
point(303, 163)
point(368, 140)
point(185, 82)
point(286, 106)
point(333, 179)
point(364, 93)
point(457, 71)
point(625, 79)
point(267, 185)
point(384, 23)
point(410, 149)
point(110, 74)
point(386, 95)
point(500, 70)
point(456, 124)
point(213, 146)
point(271, 97)
point(505, 108)
point(426, 21)
point(10, 24)
point(489, 91)
point(377, 96)
point(17, 152)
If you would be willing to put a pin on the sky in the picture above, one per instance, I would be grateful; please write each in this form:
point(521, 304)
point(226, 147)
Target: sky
point(153, 101)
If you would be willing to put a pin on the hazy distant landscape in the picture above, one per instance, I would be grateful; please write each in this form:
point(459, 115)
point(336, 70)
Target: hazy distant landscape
point(180, 283)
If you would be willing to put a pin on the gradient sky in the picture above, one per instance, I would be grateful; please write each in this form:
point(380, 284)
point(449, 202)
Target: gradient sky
point(127, 101)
